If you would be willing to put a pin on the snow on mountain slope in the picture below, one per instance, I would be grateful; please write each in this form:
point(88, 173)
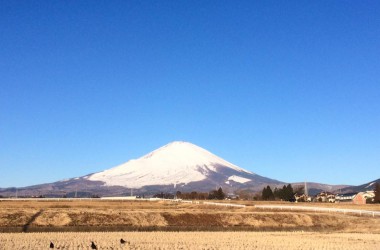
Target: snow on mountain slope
point(370, 184)
point(238, 179)
point(175, 163)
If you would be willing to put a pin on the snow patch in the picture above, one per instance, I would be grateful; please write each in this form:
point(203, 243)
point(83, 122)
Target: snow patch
point(370, 184)
point(239, 179)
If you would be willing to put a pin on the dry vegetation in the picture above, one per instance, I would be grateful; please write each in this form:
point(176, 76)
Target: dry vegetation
point(192, 240)
point(372, 207)
point(300, 229)
point(29, 216)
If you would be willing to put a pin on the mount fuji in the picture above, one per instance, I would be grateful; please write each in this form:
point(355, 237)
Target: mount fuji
point(177, 166)
point(177, 163)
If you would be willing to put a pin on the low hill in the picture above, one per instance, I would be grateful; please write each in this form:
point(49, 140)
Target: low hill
point(369, 186)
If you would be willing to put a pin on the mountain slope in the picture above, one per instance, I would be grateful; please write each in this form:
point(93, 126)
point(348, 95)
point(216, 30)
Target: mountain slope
point(175, 163)
point(315, 188)
point(178, 166)
point(361, 188)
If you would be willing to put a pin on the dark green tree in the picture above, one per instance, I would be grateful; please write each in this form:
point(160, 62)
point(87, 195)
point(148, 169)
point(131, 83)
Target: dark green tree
point(220, 194)
point(270, 193)
point(267, 194)
point(377, 193)
point(264, 194)
point(216, 194)
point(289, 193)
point(276, 193)
point(282, 193)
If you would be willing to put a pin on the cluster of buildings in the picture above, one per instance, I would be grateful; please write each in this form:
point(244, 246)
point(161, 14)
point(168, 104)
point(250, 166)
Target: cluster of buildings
point(354, 198)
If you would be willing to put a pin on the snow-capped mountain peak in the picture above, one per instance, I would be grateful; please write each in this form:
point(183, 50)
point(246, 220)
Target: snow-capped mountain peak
point(175, 163)
point(177, 166)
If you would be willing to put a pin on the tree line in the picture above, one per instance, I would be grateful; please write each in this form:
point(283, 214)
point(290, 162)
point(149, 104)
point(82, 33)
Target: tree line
point(285, 193)
point(217, 194)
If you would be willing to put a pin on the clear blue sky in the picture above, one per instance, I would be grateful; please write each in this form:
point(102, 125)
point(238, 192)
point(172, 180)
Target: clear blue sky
point(287, 89)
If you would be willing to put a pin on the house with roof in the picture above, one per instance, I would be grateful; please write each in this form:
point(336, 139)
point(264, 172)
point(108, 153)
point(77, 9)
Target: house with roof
point(362, 197)
point(325, 197)
point(302, 198)
point(348, 197)
point(355, 198)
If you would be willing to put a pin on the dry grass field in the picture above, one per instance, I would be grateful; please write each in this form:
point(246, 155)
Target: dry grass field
point(372, 207)
point(46, 216)
point(192, 240)
point(170, 225)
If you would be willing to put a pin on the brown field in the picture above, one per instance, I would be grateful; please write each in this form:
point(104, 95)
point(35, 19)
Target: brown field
point(192, 240)
point(372, 207)
point(44, 216)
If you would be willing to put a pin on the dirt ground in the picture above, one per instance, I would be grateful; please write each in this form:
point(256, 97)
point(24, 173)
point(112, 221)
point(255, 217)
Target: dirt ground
point(34, 216)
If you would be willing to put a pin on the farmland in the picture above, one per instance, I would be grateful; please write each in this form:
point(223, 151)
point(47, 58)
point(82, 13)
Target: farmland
point(48, 216)
point(192, 240)
point(172, 225)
